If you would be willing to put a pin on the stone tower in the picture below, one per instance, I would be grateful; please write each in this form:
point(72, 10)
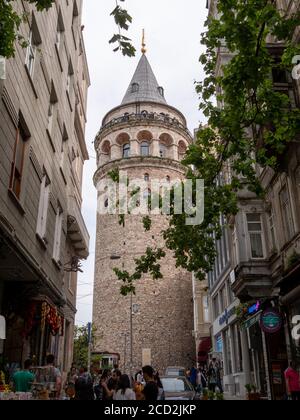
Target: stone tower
point(147, 138)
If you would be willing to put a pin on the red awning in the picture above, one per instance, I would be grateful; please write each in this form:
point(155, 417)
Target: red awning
point(203, 349)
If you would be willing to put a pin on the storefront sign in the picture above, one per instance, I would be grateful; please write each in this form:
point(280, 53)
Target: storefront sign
point(277, 374)
point(250, 322)
point(2, 328)
point(271, 321)
point(227, 315)
point(254, 308)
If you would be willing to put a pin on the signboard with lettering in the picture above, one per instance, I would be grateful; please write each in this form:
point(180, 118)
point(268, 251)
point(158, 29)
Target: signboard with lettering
point(271, 321)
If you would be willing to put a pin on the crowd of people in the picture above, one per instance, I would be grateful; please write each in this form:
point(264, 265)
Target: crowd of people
point(109, 385)
point(207, 376)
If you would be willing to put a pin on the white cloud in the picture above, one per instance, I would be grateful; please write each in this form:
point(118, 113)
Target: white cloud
point(173, 29)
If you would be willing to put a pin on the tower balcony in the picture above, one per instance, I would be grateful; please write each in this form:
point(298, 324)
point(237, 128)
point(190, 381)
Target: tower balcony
point(77, 230)
point(150, 118)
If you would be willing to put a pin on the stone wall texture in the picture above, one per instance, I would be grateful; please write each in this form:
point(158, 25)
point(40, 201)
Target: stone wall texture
point(164, 322)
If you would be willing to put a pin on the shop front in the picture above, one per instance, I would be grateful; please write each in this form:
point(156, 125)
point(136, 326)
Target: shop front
point(230, 344)
point(264, 326)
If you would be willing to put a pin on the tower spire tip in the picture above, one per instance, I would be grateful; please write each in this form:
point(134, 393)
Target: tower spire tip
point(144, 50)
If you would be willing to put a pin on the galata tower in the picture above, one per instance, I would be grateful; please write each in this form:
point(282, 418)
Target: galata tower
point(147, 138)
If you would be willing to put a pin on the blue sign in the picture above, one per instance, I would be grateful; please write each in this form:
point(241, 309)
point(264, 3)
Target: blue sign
point(254, 308)
point(227, 315)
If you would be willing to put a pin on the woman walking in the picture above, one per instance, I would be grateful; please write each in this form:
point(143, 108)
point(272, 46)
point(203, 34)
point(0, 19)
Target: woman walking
point(124, 392)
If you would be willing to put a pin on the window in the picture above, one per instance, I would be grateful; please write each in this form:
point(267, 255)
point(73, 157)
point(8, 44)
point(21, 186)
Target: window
point(287, 217)
point(135, 87)
point(223, 300)
point(168, 179)
point(57, 235)
point(145, 150)
point(216, 307)
point(146, 177)
point(162, 150)
point(51, 110)
point(272, 229)
point(30, 54)
point(17, 163)
point(60, 32)
point(161, 91)
point(206, 316)
point(126, 150)
point(255, 235)
point(43, 207)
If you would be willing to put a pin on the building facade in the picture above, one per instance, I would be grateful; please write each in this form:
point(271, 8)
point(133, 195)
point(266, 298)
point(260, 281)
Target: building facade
point(42, 152)
point(264, 263)
point(146, 138)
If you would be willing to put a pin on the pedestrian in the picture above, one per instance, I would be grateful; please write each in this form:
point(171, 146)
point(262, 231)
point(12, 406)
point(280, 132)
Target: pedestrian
point(84, 386)
point(70, 383)
point(23, 379)
point(292, 379)
point(124, 391)
point(202, 382)
point(150, 390)
point(53, 376)
point(161, 392)
point(193, 377)
point(109, 384)
point(214, 376)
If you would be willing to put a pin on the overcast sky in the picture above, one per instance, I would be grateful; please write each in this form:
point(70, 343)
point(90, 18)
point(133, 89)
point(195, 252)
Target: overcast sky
point(173, 29)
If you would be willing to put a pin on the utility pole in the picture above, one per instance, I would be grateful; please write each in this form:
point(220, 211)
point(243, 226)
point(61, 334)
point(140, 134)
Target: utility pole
point(131, 336)
point(89, 327)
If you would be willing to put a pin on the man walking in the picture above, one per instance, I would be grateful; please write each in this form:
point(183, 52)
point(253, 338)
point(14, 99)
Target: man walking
point(292, 379)
point(150, 390)
point(24, 378)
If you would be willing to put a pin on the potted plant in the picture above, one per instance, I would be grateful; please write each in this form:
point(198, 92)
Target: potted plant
point(211, 395)
point(219, 396)
point(253, 395)
point(205, 394)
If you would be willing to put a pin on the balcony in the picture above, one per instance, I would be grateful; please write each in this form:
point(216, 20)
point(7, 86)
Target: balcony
point(252, 280)
point(77, 231)
point(145, 117)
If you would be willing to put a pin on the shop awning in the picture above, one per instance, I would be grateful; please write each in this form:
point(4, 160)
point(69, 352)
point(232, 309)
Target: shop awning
point(2, 328)
point(203, 349)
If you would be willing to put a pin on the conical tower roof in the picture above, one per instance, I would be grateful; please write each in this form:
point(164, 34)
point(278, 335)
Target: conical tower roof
point(144, 86)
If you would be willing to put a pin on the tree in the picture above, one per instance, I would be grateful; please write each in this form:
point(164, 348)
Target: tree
point(10, 22)
point(254, 126)
point(81, 345)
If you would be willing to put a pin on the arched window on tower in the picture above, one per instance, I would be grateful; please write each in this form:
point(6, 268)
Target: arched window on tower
point(126, 150)
point(147, 177)
point(161, 91)
point(145, 149)
point(135, 87)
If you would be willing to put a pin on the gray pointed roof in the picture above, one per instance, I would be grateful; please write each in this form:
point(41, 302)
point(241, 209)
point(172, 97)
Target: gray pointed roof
point(148, 87)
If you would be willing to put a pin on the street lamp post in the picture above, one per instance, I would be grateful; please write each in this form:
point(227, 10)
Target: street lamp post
point(131, 335)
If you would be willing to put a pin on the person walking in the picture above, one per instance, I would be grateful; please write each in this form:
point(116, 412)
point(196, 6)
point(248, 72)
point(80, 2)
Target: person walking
point(70, 383)
point(150, 390)
point(23, 379)
point(161, 392)
point(292, 379)
point(124, 391)
point(53, 376)
point(214, 376)
point(84, 386)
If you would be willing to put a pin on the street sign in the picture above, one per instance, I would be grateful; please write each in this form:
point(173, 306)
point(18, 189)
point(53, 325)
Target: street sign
point(271, 321)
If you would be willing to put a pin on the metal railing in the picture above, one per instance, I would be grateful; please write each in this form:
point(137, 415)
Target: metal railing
point(148, 117)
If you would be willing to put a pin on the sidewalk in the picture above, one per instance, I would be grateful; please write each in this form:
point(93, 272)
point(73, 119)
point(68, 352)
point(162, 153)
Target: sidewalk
point(228, 397)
